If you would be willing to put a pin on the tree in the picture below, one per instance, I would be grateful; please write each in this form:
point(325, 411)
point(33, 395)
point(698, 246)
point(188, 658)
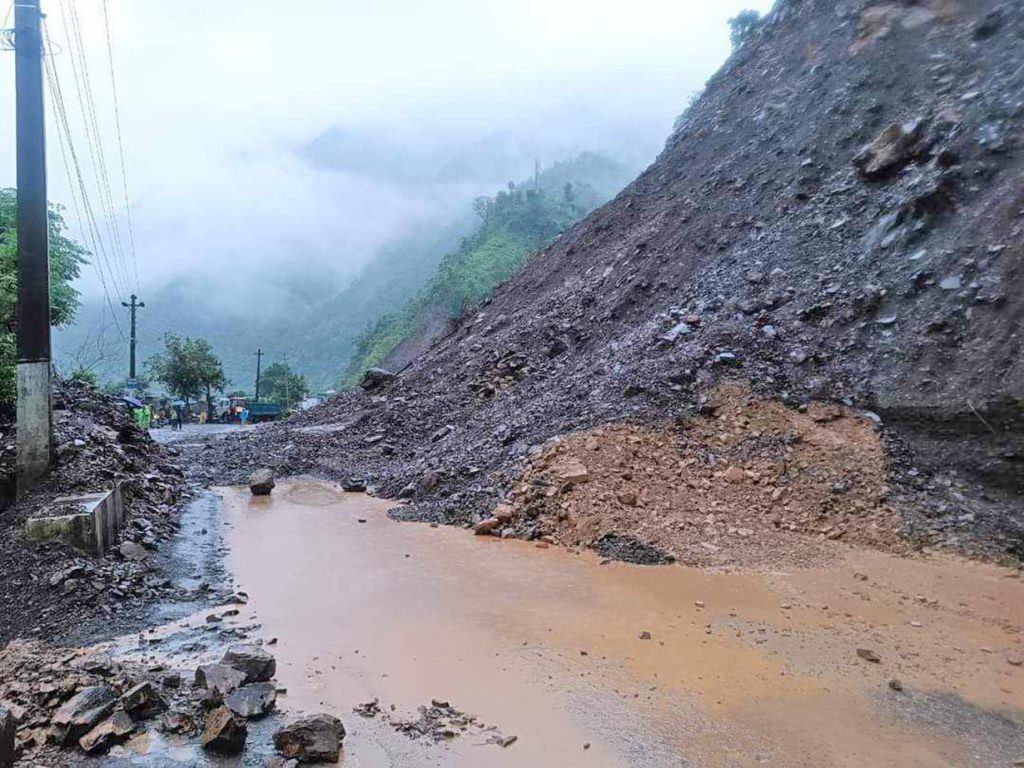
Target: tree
point(741, 26)
point(66, 260)
point(188, 368)
point(284, 386)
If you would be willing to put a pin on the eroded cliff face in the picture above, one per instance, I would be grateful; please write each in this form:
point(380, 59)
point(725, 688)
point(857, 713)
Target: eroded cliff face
point(839, 218)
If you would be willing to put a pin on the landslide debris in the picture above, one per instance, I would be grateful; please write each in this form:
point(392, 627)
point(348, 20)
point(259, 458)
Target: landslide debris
point(838, 219)
point(728, 488)
point(48, 590)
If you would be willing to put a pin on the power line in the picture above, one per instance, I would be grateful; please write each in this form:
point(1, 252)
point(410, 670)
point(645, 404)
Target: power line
point(64, 137)
point(94, 139)
point(120, 145)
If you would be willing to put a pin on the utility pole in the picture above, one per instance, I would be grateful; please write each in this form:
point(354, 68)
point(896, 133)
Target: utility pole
point(259, 358)
point(35, 415)
point(132, 307)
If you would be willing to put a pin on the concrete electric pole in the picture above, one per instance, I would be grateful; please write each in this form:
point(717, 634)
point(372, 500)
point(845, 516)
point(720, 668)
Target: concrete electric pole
point(133, 306)
point(35, 416)
point(259, 359)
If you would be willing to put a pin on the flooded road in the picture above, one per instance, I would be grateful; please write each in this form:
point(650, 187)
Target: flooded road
point(616, 665)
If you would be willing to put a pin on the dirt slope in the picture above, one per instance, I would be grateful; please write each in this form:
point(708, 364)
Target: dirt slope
point(839, 218)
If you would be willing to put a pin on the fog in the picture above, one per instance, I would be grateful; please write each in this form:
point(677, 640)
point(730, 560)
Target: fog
point(220, 103)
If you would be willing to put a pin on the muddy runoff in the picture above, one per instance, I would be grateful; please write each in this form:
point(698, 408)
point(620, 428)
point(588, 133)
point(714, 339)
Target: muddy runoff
point(872, 660)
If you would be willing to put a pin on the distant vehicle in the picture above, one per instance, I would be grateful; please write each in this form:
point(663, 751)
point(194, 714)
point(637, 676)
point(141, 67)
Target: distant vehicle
point(227, 410)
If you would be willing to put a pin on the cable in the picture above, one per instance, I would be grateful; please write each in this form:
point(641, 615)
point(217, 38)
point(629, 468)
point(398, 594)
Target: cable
point(64, 137)
point(83, 89)
point(120, 147)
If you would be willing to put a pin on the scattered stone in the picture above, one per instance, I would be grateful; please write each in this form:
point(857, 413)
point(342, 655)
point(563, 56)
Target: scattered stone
point(178, 723)
point(507, 741)
point(143, 701)
point(367, 708)
point(131, 550)
point(261, 482)
point(258, 665)
point(869, 655)
point(218, 679)
point(110, 732)
point(895, 684)
point(225, 732)
point(375, 378)
point(894, 148)
point(81, 713)
point(312, 739)
point(252, 701)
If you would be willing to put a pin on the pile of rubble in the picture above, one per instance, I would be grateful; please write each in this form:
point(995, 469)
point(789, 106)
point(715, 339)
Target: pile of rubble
point(729, 487)
point(53, 701)
point(49, 590)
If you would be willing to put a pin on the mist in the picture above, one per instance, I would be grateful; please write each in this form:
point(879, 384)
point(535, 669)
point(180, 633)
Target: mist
point(274, 150)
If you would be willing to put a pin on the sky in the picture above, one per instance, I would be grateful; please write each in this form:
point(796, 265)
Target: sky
point(220, 102)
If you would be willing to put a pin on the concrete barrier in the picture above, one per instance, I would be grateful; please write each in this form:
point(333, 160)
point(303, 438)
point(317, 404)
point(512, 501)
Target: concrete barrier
point(92, 530)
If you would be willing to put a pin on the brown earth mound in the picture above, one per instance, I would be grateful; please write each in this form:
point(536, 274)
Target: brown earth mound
point(753, 482)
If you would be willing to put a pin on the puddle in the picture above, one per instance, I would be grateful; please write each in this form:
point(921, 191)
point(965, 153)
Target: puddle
point(545, 644)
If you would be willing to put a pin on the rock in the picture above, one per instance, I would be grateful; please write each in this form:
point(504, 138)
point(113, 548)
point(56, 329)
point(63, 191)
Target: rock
point(74, 572)
point(258, 665)
point(81, 713)
point(375, 378)
point(442, 433)
point(570, 472)
point(895, 684)
point(253, 700)
point(110, 732)
point(869, 655)
point(628, 498)
point(143, 701)
point(171, 680)
point(225, 732)
point(261, 482)
point(130, 550)
point(894, 148)
point(951, 283)
point(735, 475)
point(219, 679)
point(311, 739)
point(671, 336)
point(7, 732)
point(430, 479)
point(487, 527)
point(645, 635)
point(988, 26)
point(353, 485)
point(179, 723)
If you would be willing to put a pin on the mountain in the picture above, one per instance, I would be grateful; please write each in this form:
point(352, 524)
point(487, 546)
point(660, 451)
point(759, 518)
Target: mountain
point(836, 225)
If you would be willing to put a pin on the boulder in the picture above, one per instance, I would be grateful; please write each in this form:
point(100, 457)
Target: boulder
point(894, 148)
point(375, 378)
point(81, 713)
point(143, 701)
point(225, 732)
point(253, 700)
point(257, 665)
point(131, 550)
point(7, 732)
point(107, 734)
point(219, 679)
point(261, 482)
point(311, 739)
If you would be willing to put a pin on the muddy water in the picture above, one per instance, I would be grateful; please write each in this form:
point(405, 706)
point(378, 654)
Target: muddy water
point(545, 644)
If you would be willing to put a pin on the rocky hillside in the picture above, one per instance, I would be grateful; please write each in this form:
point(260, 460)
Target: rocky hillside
point(839, 218)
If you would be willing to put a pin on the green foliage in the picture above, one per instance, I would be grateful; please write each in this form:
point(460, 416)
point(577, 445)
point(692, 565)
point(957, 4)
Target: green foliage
point(742, 25)
point(85, 376)
point(282, 385)
point(66, 260)
point(187, 368)
point(512, 224)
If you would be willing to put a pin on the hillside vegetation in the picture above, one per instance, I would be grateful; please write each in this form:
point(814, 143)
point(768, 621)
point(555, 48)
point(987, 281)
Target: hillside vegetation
point(512, 224)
